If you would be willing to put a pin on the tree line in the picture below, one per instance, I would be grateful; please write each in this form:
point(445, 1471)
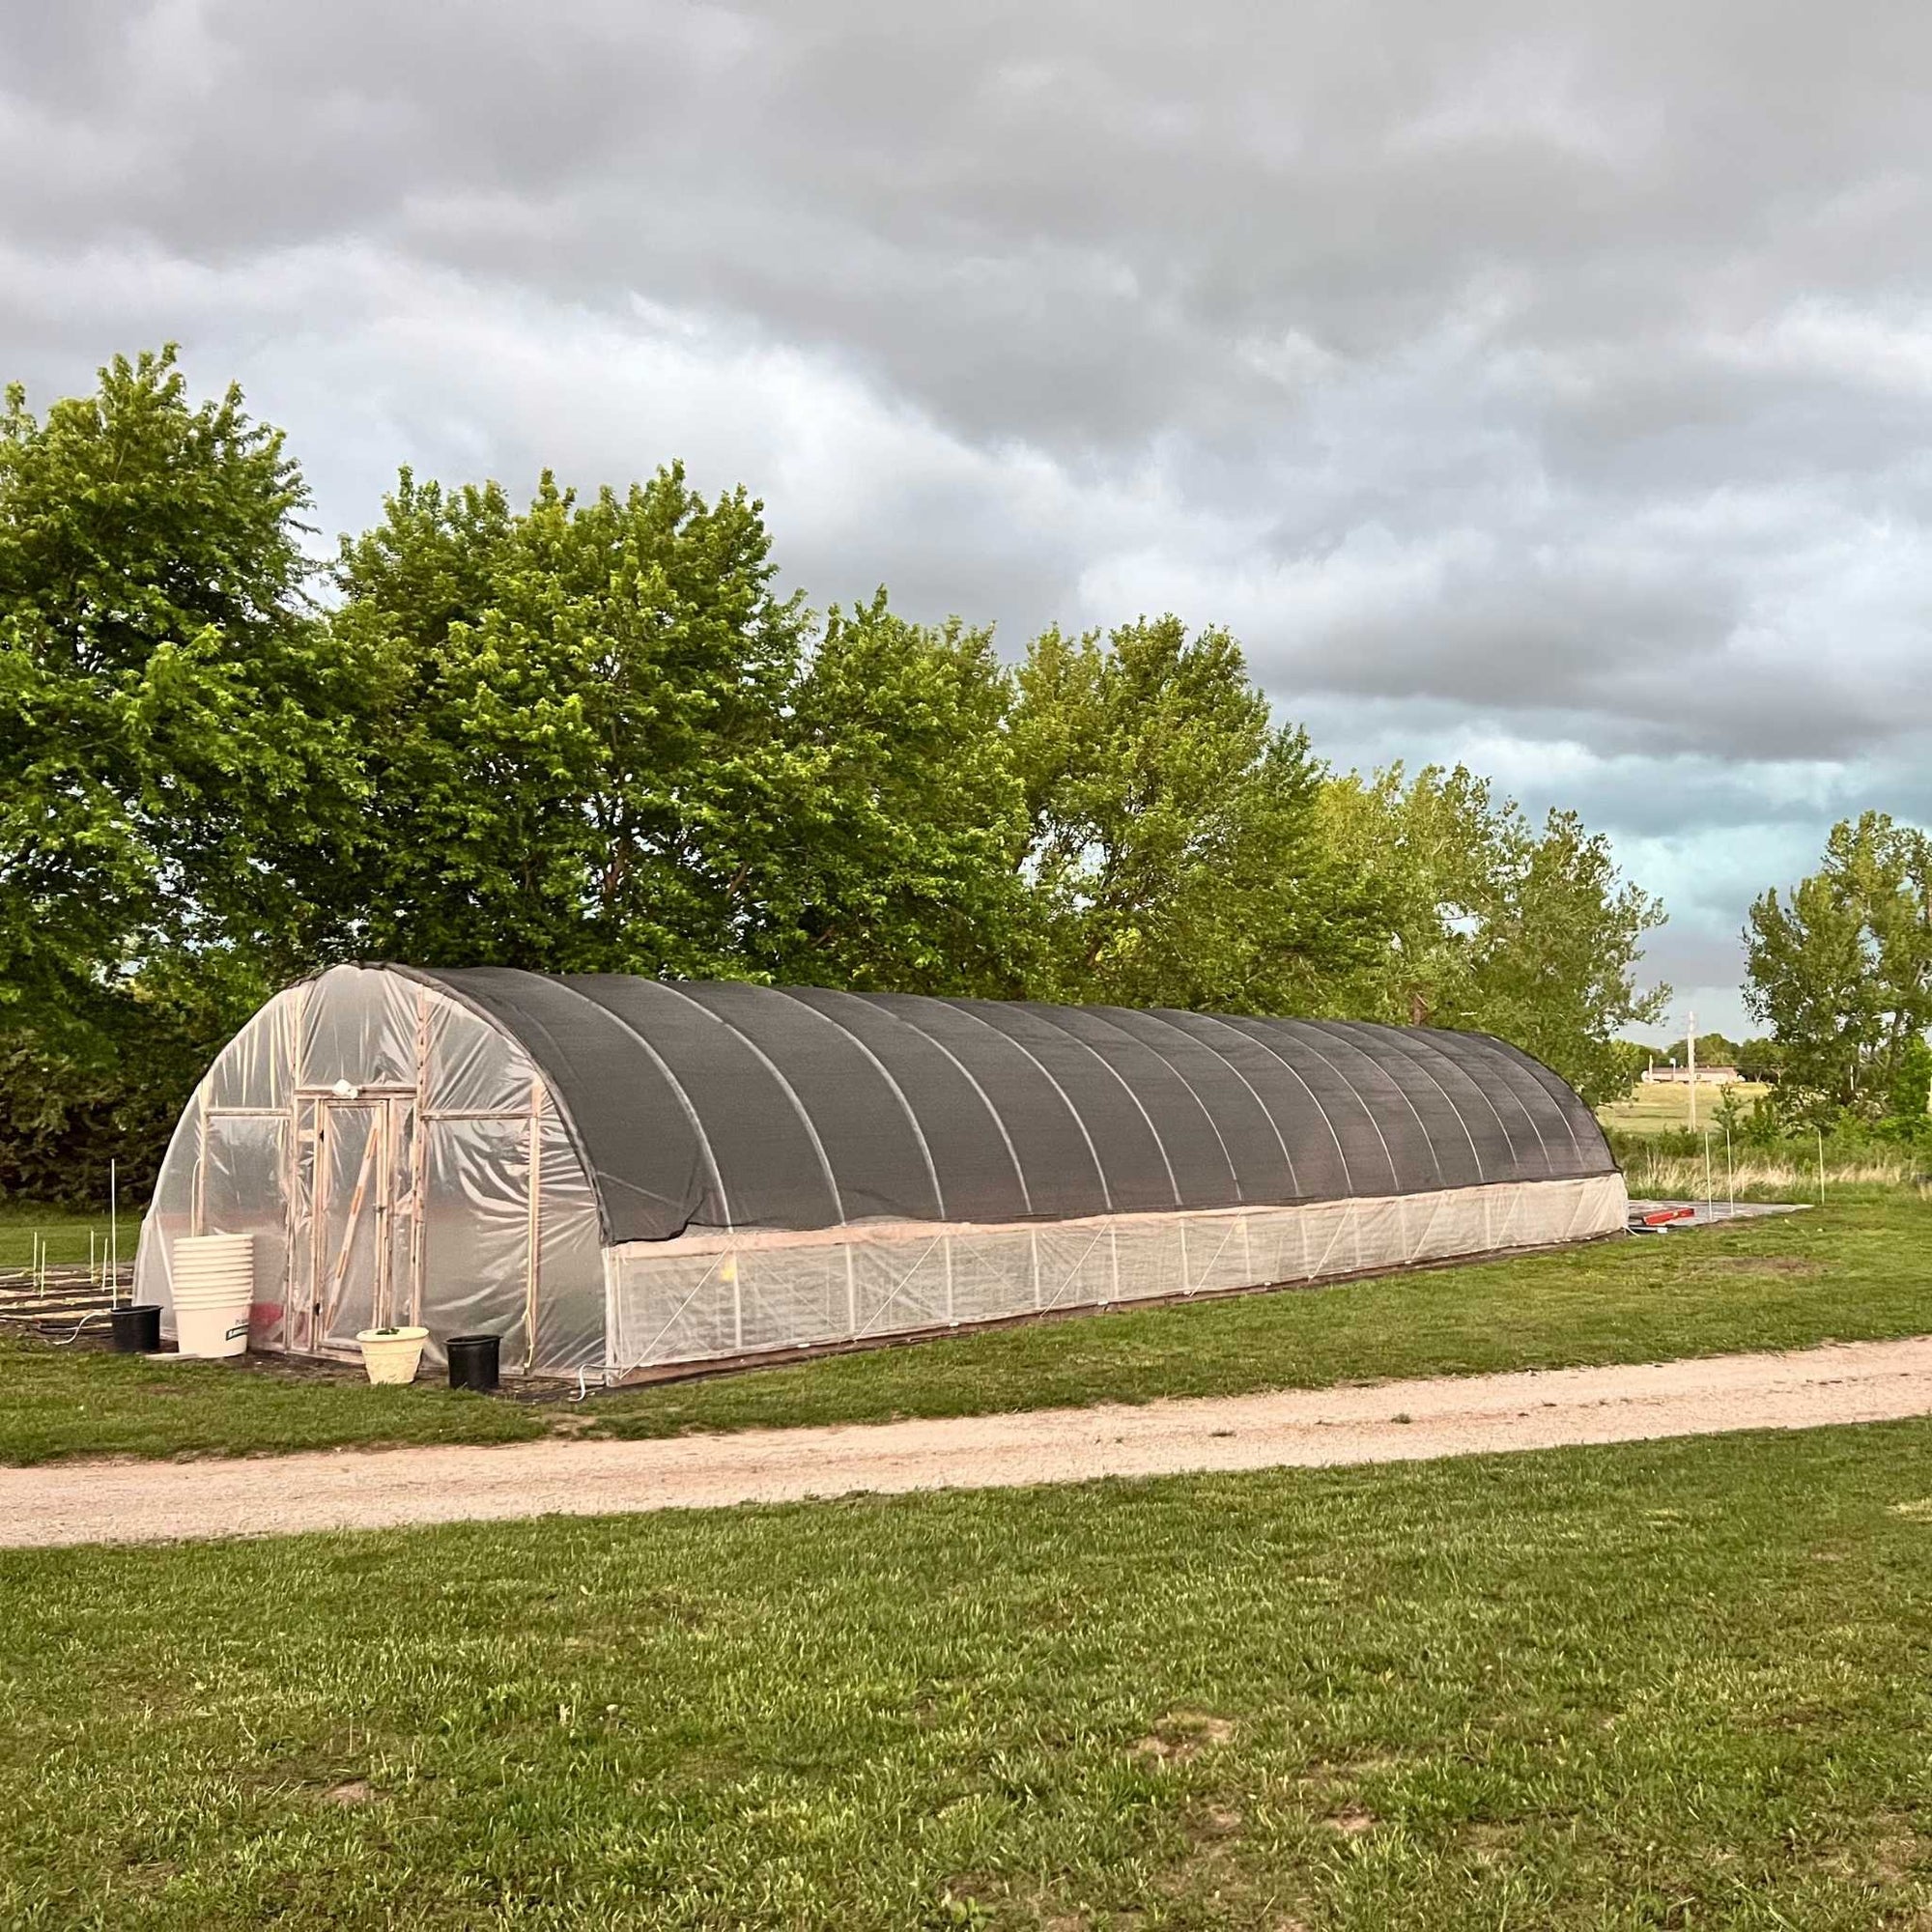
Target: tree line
point(1754, 1060)
point(591, 734)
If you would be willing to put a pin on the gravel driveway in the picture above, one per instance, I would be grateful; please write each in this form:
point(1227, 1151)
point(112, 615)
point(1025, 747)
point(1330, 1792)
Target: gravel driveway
point(135, 1502)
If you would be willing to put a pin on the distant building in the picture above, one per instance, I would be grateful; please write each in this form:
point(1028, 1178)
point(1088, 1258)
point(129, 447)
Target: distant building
point(1680, 1076)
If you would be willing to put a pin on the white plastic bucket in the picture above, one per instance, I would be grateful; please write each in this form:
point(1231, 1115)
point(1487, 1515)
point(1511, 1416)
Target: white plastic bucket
point(212, 1289)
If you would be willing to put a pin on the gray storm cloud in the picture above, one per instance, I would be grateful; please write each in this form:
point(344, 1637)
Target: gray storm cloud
point(1547, 386)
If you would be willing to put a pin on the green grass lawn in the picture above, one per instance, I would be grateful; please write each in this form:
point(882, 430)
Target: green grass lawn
point(1855, 1269)
point(66, 1231)
point(56, 1402)
point(1676, 1683)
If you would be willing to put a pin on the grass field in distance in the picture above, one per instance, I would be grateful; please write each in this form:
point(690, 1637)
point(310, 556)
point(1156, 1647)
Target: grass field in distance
point(65, 1231)
point(1657, 1108)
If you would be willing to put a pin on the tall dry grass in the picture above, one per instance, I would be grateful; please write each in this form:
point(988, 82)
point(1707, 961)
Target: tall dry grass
point(1756, 1177)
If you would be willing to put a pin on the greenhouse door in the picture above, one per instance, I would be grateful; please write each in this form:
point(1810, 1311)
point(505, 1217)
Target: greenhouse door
point(361, 1179)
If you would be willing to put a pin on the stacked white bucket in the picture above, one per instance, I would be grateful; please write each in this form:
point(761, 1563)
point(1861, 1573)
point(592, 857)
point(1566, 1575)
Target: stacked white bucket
point(214, 1284)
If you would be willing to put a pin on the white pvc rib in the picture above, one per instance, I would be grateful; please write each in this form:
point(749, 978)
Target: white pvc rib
point(1039, 1010)
point(772, 1068)
point(1092, 1152)
point(1497, 1067)
point(1505, 1072)
point(1331, 1030)
point(1207, 1112)
point(1422, 1043)
point(966, 1074)
point(1268, 1112)
point(885, 1075)
point(1294, 1072)
point(1374, 1119)
point(1264, 1040)
point(670, 1079)
point(1540, 1077)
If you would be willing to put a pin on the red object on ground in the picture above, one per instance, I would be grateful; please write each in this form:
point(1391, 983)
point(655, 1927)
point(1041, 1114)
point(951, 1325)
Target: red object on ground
point(1659, 1216)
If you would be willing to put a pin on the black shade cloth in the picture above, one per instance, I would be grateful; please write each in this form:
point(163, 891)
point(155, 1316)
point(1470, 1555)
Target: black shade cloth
point(724, 1105)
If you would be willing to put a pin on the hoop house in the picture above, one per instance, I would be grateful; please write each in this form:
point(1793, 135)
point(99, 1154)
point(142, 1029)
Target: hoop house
point(627, 1177)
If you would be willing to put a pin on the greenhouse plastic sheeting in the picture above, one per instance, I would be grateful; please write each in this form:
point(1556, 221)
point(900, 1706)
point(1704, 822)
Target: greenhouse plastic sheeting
point(244, 1161)
point(736, 1107)
point(472, 1066)
point(256, 1071)
point(707, 1297)
point(477, 1230)
point(359, 1029)
point(619, 1175)
point(397, 1158)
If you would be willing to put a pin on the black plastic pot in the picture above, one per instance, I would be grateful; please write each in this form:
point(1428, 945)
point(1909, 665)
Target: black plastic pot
point(473, 1361)
point(136, 1330)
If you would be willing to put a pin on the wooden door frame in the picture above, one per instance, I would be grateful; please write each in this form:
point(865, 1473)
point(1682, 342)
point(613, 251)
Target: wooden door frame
point(327, 1270)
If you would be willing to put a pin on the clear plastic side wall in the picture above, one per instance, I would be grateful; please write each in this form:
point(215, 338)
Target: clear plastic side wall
point(476, 1228)
point(226, 1169)
point(170, 1215)
point(437, 1131)
point(670, 1306)
point(570, 1309)
point(502, 1183)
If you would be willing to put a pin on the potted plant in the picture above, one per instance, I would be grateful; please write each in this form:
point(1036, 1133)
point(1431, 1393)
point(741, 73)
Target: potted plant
point(392, 1354)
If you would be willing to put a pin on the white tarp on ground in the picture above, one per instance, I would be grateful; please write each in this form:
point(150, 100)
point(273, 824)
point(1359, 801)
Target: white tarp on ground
point(715, 1297)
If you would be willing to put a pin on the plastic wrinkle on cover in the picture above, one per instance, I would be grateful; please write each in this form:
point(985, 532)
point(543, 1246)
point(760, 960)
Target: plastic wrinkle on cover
point(357, 1028)
point(170, 1215)
point(570, 1277)
point(256, 1071)
point(473, 1066)
point(476, 1231)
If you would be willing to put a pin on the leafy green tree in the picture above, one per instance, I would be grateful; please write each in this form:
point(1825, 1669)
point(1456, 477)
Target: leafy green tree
point(1436, 847)
point(1840, 968)
point(1764, 1123)
point(907, 818)
point(592, 735)
point(1493, 925)
point(579, 748)
point(1630, 1060)
point(175, 770)
point(1174, 838)
point(1908, 1113)
point(1714, 1049)
point(600, 741)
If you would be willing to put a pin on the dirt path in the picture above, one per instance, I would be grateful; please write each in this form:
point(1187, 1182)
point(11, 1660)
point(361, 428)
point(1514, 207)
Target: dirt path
point(126, 1502)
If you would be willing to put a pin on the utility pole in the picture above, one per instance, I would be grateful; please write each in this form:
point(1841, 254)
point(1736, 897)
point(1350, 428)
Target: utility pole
point(1690, 1045)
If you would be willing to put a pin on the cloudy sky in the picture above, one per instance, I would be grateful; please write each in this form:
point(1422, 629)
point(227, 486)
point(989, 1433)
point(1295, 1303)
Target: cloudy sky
point(1542, 386)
